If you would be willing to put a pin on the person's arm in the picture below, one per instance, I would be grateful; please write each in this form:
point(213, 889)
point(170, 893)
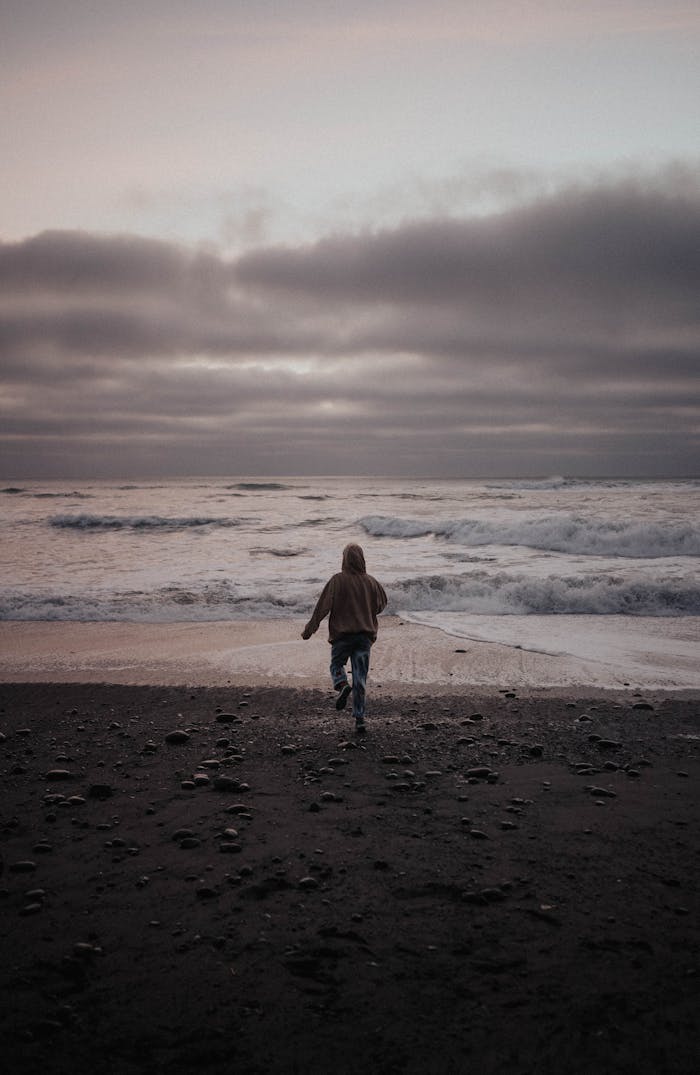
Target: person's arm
point(323, 607)
point(380, 598)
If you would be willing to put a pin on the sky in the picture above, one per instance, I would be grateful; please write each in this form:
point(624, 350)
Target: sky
point(457, 239)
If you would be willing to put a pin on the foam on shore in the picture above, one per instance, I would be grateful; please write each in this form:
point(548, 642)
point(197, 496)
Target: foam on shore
point(407, 657)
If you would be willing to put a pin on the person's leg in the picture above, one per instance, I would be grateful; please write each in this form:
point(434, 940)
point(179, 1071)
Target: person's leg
point(359, 662)
point(340, 651)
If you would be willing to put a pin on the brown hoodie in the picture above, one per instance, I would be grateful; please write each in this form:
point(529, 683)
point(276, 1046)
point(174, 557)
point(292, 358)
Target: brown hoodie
point(352, 599)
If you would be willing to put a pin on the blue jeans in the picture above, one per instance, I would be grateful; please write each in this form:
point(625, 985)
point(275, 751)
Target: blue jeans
point(357, 648)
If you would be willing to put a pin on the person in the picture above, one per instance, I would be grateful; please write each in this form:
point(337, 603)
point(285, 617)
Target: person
point(352, 600)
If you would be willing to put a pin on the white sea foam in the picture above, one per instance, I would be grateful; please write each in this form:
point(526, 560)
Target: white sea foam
point(562, 532)
point(168, 604)
point(603, 595)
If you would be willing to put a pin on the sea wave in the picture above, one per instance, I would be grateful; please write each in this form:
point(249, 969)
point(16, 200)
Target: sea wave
point(476, 593)
point(284, 553)
point(16, 490)
point(258, 486)
point(169, 604)
point(135, 522)
point(556, 533)
point(480, 593)
point(533, 483)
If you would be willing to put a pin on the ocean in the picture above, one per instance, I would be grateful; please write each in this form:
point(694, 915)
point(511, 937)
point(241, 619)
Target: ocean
point(557, 565)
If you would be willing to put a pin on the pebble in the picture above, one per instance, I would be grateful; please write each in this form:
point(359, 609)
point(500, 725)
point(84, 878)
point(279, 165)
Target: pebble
point(58, 774)
point(478, 834)
point(206, 892)
point(308, 883)
point(177, 736)
point(642, 705)
point(479, 772)
point(86, 951)
point(24, 866)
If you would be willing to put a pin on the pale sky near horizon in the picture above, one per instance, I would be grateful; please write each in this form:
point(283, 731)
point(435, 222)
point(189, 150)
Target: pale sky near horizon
point(459, 239)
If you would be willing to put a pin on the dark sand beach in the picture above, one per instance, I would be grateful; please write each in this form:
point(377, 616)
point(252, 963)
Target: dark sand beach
point(485, 882)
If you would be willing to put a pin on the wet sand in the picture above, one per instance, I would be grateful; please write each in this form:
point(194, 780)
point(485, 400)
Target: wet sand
point(407, 657)
point(496, 878)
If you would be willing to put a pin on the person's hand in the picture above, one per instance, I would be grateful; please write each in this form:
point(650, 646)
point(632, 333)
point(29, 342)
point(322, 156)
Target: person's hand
point(306, 634)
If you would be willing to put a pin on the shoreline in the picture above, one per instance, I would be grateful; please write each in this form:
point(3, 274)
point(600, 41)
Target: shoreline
point(407, 658)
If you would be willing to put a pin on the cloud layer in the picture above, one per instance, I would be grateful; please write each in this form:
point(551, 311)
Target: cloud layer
point(562, 335)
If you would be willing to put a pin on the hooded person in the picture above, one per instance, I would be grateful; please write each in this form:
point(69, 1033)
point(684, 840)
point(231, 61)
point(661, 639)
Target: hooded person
point(352, 600)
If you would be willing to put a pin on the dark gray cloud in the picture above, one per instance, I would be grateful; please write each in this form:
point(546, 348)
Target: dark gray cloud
point(563, 335)
point(579, 243)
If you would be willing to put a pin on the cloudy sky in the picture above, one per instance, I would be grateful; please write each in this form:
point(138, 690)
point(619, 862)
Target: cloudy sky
point(306, 236)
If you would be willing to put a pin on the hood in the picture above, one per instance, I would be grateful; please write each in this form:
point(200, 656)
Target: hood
point(354, 560)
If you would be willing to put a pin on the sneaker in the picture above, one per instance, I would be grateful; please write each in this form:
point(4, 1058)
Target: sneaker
point(342, 698)
point(360, 728)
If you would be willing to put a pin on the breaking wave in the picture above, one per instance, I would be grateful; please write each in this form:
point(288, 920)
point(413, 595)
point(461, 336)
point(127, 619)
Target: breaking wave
point(600, 595)
point(556, 533)
point(168, 604)
point(476, 593)
point(135, 522)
